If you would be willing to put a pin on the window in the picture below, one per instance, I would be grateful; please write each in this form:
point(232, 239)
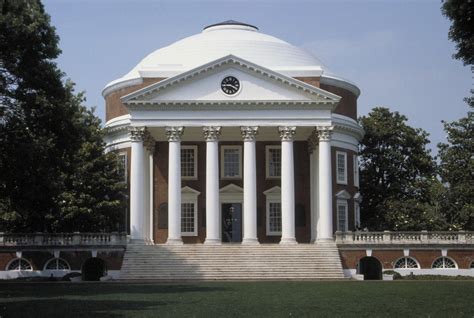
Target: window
point(273, 161)
point(188, 219)
point(19, 264)
point(273, 210)
point(357, 215)
point(406, 262)
point(189, 162)
point(342, 215)
point(443, 263)
point(341, 167)
point(122, 166)
point(231, 162)
point(189, 216)
point(356, 171)
point(57, 264)
point(273, 218)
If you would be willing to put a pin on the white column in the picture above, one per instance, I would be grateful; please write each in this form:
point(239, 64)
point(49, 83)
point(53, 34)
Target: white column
point(174, 184)
point(146, 193)
point(213, 224)
point(150, 146)
point(313, 165)
point(325, 232)
point(137, 207)
point(250, 185)
point(287, 186)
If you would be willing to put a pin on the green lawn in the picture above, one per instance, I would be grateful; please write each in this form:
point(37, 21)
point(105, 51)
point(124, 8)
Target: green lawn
point(255, 299)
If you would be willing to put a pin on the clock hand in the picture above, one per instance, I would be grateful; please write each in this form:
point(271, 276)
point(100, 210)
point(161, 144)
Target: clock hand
point(230, 85)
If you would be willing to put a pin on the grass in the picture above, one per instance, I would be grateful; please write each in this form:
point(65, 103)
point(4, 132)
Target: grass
point(250, 299)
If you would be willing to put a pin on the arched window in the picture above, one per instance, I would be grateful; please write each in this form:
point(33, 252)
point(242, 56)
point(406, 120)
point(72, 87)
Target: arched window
point(444, 262)
point(19, 264)
point(406, 262)
point(57, 264)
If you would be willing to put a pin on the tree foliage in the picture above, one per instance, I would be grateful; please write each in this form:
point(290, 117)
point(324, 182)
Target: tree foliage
point(461, 14)
point(53, 173)
point(398, 176)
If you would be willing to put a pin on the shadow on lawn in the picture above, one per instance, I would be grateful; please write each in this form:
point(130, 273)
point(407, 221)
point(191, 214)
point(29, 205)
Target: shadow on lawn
point(61, 307)
point(47, 290)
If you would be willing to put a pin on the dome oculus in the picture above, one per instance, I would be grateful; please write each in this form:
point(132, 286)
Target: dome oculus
point(230, 85)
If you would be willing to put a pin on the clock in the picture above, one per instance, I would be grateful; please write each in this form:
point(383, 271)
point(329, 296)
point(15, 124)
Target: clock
point(230, 85)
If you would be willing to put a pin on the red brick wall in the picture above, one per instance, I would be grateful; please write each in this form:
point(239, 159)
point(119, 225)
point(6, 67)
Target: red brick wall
point(425, 257)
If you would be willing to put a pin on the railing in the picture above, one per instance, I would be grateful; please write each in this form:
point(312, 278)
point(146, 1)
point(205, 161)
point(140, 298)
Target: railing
point(62, 239)
point(420, 237)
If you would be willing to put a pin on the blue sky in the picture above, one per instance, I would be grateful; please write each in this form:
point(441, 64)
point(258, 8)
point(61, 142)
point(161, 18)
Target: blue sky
point(397, 52)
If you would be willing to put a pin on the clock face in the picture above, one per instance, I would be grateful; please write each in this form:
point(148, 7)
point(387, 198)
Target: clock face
point(230, 85)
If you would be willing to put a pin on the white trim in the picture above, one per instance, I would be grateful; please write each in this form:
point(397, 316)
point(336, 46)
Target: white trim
point(239, 148)
point(273, 195)
point(55, 259)
point(190, 195)
point(406, 268)
point(338, 175)
point(124, 154)
point(355, 167)
point(19, 270)
point(232, 60)
point(195, 176)
point(342, 202)
point(267, 161)
point(443, 269)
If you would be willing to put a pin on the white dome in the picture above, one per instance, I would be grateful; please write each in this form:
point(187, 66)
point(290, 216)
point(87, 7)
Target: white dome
point(222, 39)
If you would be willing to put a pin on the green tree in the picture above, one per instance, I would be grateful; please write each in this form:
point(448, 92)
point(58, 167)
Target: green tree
point(397, 175)
point(53, 173)
point(461, 13)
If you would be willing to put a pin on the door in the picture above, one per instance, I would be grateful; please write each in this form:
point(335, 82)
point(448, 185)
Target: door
point(231, 222)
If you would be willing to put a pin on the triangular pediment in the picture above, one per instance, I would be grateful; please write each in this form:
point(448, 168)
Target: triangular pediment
point(231, 188)
point(203, 85)
point(343, 194)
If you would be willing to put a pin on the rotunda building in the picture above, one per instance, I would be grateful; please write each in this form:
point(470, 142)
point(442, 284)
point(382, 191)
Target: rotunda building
point(233, 135)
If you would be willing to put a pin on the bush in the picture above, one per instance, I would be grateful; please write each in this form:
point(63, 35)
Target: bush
point(396, 275)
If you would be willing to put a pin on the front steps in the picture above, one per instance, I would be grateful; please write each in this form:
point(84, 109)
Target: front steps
point(231, 262)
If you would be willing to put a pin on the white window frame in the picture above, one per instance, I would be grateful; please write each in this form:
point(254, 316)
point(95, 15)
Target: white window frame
point(273, 195)
point(56, 259)
point(341, 202)
point(239, 148)
point(189, 195)
point(20, 259)
point(267, 161)
point(355, 166)
point(405, 261)
point(125, 155)
point(195, 149)
point(338, 175)
point(445, 268)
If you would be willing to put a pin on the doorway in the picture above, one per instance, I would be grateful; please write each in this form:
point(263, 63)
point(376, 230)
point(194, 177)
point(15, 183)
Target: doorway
point(231, 222)
point(371, 268)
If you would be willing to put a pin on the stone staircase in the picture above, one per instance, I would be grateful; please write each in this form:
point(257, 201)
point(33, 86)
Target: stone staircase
point(194, 262)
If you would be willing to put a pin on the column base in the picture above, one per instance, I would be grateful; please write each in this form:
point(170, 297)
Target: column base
point(177, 241)
point(288, 241)
point(213, 242)
point(250, 241)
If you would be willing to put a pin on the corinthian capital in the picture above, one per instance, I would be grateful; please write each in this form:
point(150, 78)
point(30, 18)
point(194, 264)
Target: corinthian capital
point(211, 133)
point(137, 133)
point(249, 133)
point(325, 133)
point(174, 133)
point(287, 133)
